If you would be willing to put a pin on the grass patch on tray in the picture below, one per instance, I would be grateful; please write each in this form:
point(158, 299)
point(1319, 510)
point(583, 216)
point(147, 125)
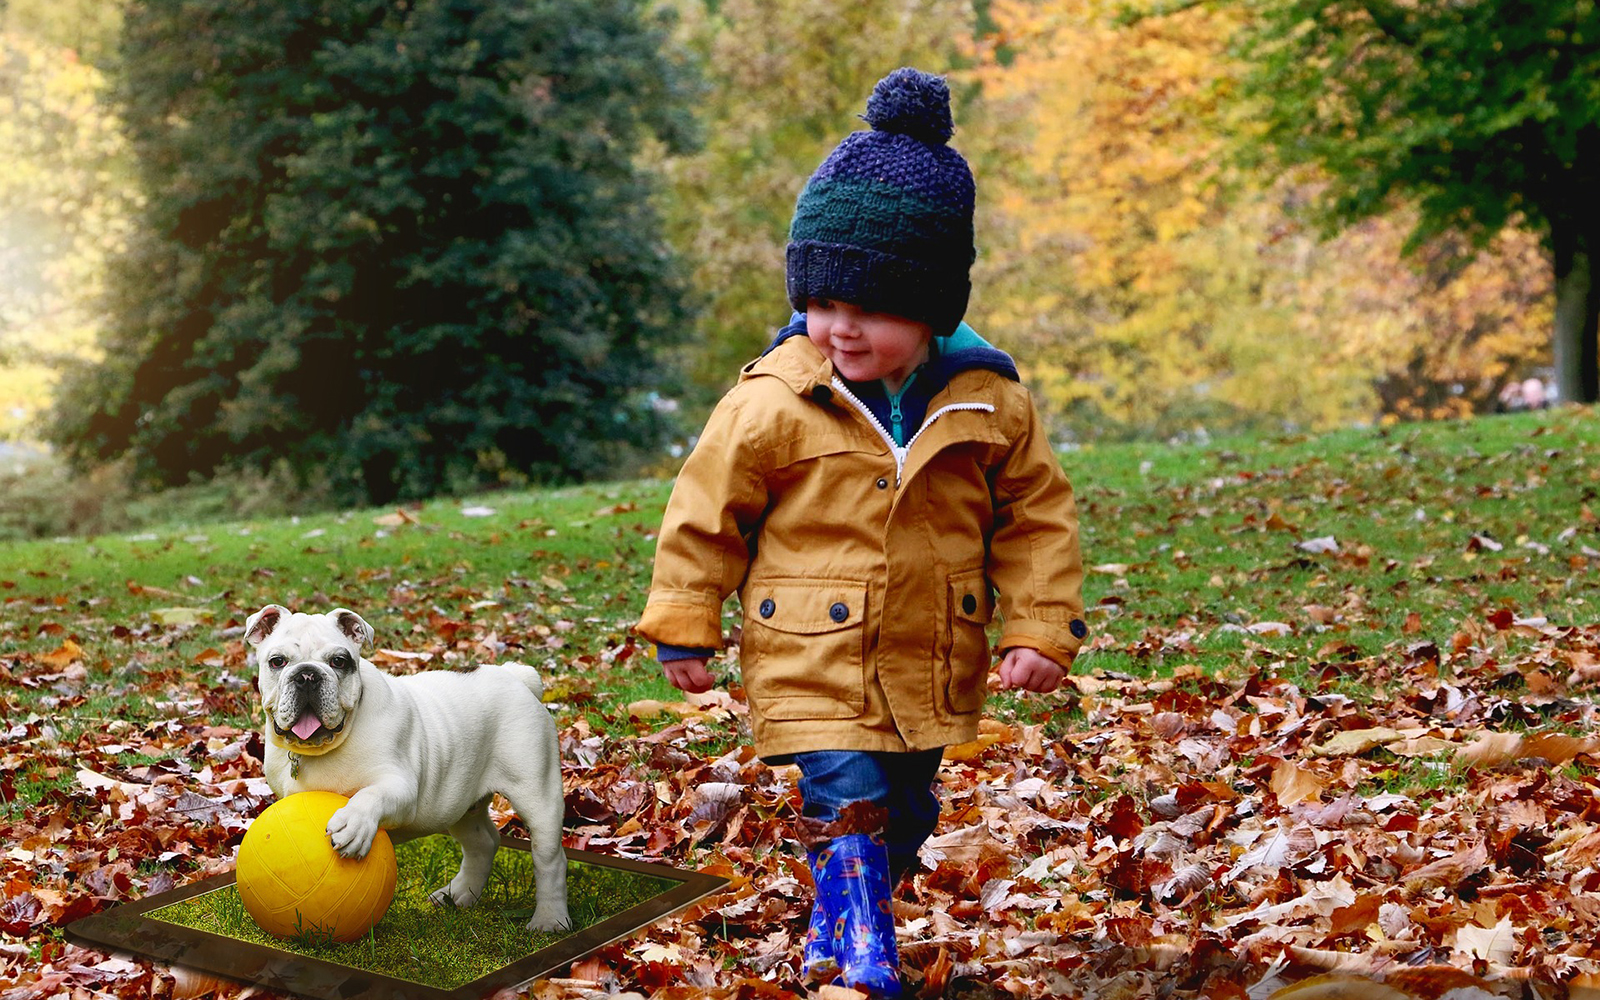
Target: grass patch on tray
point(439, 946)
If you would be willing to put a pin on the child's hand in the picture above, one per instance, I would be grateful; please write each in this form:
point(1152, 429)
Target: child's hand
point(1030, 670)
point(689, 675)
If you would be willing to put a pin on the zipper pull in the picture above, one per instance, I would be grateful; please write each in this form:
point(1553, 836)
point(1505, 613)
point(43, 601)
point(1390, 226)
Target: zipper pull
point(896, 417)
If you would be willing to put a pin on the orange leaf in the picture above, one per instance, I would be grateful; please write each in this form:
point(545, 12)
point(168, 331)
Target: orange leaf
point(68, 653)
point(1292, 783)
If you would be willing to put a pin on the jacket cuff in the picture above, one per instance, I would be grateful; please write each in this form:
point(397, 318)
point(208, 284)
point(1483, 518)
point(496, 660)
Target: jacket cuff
point(667, 653)
point(1059, 642)
point(686, 618)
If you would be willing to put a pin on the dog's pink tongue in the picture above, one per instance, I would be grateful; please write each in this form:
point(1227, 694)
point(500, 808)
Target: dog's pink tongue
point(307, 725)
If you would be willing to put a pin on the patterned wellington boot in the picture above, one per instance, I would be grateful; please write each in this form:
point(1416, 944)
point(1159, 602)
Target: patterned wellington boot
point(852, 876)
point(816, 960)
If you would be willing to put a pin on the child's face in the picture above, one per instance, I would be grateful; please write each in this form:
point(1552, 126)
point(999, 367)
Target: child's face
point(865, 346)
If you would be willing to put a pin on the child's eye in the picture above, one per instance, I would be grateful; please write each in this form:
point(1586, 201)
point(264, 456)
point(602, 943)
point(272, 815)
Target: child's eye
point(820, 305)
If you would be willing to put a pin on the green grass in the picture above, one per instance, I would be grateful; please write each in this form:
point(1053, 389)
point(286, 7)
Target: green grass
point(441, 947)
point(1185, 545)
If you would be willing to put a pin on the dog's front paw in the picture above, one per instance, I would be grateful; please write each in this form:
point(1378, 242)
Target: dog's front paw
point(351, 831)
point(549, 921)
point(453, 895)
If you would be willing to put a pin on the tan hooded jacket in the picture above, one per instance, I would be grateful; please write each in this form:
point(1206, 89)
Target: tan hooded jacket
point(865, 570)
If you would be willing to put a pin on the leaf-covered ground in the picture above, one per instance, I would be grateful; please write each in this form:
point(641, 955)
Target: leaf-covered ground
point(1337, 719)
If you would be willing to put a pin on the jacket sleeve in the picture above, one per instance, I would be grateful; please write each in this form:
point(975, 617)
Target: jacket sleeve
point(703, 548)
point(1034, 560)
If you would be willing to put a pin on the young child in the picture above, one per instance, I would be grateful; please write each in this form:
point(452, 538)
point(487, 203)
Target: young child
point(868, 481)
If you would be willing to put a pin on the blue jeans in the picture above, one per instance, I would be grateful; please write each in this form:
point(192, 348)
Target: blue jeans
point(901, 783)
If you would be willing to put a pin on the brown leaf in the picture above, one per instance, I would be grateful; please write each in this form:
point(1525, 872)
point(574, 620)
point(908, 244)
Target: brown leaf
point(961, 752)
point(1356, 917)
point(1490, 750)
point(396, 518)
point(1558, 748)
point(1283, 846)
point(1292, 783)
point(1447, 873)
point(1356, 741)
point(187, 983)
point(936, 977)
point(1183, 884)
point(1320, 614)
point(1339, 986)
point(964, 847)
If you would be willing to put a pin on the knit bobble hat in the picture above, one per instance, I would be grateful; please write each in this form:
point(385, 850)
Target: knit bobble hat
point(886, 221)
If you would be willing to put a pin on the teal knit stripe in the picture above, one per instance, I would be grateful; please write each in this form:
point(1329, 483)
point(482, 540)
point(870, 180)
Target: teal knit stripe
point(883, 217)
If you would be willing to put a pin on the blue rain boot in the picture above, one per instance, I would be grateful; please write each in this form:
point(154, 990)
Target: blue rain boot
point(852, 877)
point(817, 960)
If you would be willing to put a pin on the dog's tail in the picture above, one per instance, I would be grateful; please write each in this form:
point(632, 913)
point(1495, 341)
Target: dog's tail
point(528, 676)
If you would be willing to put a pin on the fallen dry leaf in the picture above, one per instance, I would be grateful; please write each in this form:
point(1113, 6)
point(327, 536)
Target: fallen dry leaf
point(1339, 986)
point(1356, 741)
point(1447, 873)
point(1497, 944)
point(1292, 783)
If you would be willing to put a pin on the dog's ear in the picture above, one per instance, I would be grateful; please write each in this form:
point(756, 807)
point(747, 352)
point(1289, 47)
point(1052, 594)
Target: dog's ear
point(260, 625)
point(351, 625)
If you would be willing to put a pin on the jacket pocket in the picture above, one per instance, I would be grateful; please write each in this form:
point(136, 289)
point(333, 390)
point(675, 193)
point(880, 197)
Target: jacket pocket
point(968, 613)
point(801, 653)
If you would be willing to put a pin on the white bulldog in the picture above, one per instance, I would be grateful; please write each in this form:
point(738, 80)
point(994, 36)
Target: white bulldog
point(415, 755)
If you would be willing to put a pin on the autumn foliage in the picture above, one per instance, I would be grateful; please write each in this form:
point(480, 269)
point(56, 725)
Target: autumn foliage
point(1154, 281)
point(1336, 718)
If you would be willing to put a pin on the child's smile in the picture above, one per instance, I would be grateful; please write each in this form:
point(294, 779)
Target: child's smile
point(865, 346)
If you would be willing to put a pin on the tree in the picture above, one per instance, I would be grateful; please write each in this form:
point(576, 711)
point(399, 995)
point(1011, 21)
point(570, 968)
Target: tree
point(1133, 266)
point(1485, 115)
point(1151, 282)
point(785, 82)
point(65, 189)
point(402, 246)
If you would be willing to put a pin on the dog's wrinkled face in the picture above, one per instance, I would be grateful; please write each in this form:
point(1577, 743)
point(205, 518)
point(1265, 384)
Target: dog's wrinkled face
point(309, 672)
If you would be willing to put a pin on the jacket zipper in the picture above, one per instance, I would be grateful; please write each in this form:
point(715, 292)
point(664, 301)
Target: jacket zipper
point(897, 451)
point(895, 416)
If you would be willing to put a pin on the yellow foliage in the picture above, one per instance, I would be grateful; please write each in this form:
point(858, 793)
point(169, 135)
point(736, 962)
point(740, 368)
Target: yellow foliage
point(1148, 286)
point(785, 83)
point(64, 195)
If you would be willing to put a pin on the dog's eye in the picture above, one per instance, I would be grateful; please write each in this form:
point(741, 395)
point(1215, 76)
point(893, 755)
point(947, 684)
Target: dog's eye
point(339, 661)
point(277, 660)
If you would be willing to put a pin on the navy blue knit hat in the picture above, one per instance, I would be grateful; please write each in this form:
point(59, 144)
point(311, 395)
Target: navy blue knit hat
point(886, 222)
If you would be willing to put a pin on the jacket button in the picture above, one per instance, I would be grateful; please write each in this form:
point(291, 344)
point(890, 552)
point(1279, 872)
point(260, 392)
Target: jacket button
point(883, 484)
point(969, 604)
point(1078, 628)
point(821, 393)
point(768, 608)
point(839, 612)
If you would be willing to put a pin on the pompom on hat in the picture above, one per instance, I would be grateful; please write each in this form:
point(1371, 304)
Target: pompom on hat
point(885, 223)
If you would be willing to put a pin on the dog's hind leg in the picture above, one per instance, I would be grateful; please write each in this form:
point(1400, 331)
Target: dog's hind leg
point(479, 839)
point(538, 801)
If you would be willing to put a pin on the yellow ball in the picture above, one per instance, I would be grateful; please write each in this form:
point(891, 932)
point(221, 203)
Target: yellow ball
point(293, 882)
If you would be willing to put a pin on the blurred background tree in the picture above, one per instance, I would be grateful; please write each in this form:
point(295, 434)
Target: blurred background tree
point(785, 82)
point(394, 248)
point(66, 192)
point(1484, 116)
point(400, 246)
point(1158, 279)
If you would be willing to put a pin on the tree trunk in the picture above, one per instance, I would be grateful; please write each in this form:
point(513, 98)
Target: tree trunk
point(1577, 320)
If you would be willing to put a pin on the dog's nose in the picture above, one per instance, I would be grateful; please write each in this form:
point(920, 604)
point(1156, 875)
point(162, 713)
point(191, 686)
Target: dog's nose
point(304, 676)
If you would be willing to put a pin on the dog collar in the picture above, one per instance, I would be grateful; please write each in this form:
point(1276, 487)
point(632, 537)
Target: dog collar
point(294, 764)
